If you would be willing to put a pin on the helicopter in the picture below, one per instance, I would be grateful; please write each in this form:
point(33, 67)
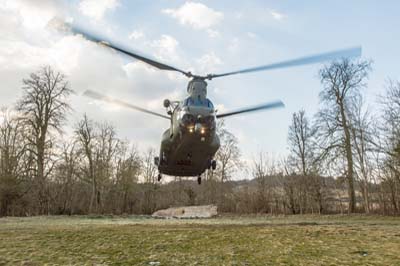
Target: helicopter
point(189, 145)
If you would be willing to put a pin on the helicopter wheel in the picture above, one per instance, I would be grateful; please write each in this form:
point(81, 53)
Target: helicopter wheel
point(159, 177)
point(213, 164)
point(199, 180)
point(157, 161)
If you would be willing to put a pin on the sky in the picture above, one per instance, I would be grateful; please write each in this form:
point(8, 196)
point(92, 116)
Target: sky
point(204, 37)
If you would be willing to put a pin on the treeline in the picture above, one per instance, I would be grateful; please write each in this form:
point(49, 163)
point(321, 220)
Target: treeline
point(345, 158)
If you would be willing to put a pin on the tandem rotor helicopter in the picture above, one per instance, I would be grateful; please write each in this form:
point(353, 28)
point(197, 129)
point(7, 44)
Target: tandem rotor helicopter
point(189, 145)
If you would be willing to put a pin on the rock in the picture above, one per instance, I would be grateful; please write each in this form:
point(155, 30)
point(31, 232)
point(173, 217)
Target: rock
point(204, 211)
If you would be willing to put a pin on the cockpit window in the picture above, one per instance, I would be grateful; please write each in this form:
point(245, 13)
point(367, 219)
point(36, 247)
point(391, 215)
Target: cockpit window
point(198, 102)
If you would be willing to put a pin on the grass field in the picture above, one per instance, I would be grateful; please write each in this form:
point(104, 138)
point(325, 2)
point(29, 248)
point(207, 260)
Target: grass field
point(266, 240)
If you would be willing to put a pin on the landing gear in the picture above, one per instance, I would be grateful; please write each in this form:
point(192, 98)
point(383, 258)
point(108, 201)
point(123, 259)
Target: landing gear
point(159, 177)
point(163, 159)
point(199, 180)
point(213, 164)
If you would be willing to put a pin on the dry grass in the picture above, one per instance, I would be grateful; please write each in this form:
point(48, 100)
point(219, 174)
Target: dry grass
point(290, 240)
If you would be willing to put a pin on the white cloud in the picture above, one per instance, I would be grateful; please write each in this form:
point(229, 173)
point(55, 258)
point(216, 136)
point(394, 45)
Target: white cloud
point(32, 15)
point(96, 9)
point(166, 44)
point(166, 48)
point(233, 45)
point(136, 34)
point(208, 63)
point(213, 33)
point(276, 15)
point(251, 35)
point(238, 15)
point(87, 66)
point(195, 15)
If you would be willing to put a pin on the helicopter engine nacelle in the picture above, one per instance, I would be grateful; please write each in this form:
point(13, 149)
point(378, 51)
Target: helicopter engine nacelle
point(197, 89)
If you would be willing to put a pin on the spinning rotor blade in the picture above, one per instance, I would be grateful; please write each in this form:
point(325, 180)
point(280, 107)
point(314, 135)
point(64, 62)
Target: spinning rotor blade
point(260, 107)
point(346, 53)
point(98, 96)
point(120, 49)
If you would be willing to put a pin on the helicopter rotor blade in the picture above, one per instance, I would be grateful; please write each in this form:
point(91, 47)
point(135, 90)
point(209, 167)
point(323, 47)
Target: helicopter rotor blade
point(126, 51)
point(101, 97)
point(318, 58)
point(265, 106)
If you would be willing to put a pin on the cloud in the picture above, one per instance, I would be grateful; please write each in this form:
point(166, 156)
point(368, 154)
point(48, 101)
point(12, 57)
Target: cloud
point(276, 15)
point(30, 14)
point(195, 15)
point(87, 66)
point(233, 46)
point(166, 44)
point(208, 63)
point(238, 15)
point(165, 48)
point(96, 9)
point(136, 34)
point(251, 35)
point(213, 33)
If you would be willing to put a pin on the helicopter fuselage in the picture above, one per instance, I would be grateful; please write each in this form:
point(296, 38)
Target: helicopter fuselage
point(189, 145)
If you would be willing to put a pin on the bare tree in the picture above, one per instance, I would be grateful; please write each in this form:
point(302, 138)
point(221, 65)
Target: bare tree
point(342, 81)
point(264, 171)
point(149, 175)
point(391, 127)
point(228, 155)
point(127, 176)
point(99, 147)
point(149, 167)
point(391, 144)
point(362, 133)
point(301, 143)
point(85, 134)
point(304, 180)
point(66, 177)
point(43, 107)
point(106, 149)
point(12, 154)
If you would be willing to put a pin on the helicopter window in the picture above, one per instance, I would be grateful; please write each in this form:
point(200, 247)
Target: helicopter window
point(197, 102)
point(188, 119)
point(187, 102)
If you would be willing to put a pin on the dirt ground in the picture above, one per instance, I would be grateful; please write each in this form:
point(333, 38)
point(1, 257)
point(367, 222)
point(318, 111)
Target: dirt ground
point(226, 240)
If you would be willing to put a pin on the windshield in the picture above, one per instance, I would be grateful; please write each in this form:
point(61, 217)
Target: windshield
point(198, 102)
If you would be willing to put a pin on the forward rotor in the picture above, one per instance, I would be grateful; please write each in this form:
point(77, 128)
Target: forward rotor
point(306, 60)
